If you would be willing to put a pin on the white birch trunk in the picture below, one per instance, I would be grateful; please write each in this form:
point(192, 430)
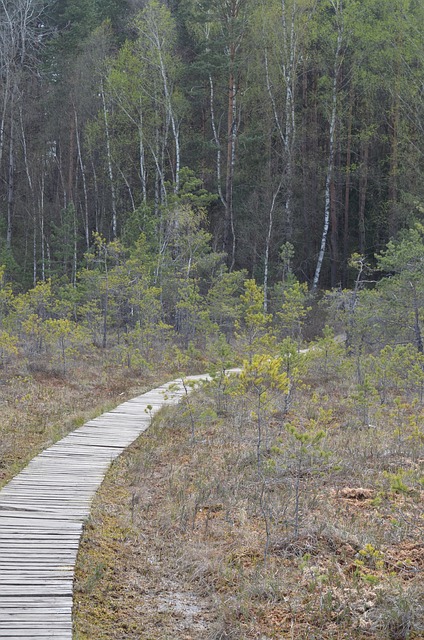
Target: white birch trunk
point(143, 172)
point(268, 244)
point(25, 152)
point(75, 254)
point(6, 90)
point(127, 184)
point(217, 143)
point(96, 194)
point(330, 167)
point(43, 255)
point(84, 183)
point(233, 140)
point(34, 253)
point(286, 125)
point(109, 164)
point(11, 179)
point(171, 116)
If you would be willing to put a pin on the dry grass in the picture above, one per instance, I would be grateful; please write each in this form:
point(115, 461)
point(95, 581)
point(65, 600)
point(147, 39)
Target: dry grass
point(177, 545)
point(39, 407)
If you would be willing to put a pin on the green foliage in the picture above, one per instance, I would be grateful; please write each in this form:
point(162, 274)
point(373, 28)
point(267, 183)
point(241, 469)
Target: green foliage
point(8, 262)
point(66, 339)
point(220, 356)
point(264, 374)
point(223, 299)
point(253, 328)
point(287, 254)
point(294, 362)
point(398, 370)
point(326, 355)
point(37, 301)
point(64, 238)
point(140, 222)
point(302, 453)
point(401, 292)
point(8, 347)
point(363, 399)
point(72, 21)
point(192, 193)
point(114, 10)
point(369, 558)
point(168, 101)
point(6, 298)
point(265, 378)
point(392, 311)
point(294, 310)
point(397, 482)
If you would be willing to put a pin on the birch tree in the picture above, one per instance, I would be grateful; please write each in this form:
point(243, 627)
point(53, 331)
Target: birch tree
point(157, 46)
point(283, 34)
point(337, 7)
point(281, 28)
point(20, 35)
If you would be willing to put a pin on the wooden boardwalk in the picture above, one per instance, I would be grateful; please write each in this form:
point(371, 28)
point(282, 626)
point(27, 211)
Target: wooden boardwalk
point(43, 509)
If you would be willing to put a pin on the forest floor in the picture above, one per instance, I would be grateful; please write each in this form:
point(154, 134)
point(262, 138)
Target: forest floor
point(187, 541)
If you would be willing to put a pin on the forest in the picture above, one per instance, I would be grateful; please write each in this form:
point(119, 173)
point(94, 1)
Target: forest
point(167, 165)
point(193, 185)
point(296, 125)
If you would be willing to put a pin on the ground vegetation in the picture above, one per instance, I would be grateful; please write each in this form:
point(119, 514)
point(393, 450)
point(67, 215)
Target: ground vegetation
point(292, 510)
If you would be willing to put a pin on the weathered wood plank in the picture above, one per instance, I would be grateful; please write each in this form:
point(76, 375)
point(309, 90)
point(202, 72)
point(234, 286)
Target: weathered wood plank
point(42, 511)
point(37, 633)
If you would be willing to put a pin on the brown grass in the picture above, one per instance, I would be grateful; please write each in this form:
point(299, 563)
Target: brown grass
point(177, 545)
point(39, 407)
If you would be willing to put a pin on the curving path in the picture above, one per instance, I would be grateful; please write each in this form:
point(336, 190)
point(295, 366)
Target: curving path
point(43, 509)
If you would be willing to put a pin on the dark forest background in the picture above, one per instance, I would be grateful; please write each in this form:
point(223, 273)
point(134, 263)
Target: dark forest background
point(291, 131)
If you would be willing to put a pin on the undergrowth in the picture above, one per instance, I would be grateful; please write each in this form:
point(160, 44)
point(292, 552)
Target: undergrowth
point(285, 516)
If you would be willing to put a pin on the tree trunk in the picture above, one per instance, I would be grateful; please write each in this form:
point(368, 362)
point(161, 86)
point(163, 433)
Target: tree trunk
point(11, 181)
point(286, 126)
point(173, 120)
point(109, 164)
point(105, 301)
point(290, 77)
point(84, 183)
point(143, 172)
point(71, 167)
point(229, 232)
point(34, 253)
point(363, 181)
point(43, 256)
point(96, 196)
point(417, 324)
point(347, 190)
point(75, 252)
point(217, 144)
point(33, 196)
point(305, 159)
point(330, 167)
point(268, 244)
point(394, 165)
point(334, 238)
point(328, 181)
point(6, 90)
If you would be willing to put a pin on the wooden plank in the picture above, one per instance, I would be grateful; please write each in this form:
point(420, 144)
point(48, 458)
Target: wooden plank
point(42, 511)
point(22, 634)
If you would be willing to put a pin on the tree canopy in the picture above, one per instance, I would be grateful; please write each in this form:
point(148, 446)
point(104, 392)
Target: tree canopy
point(301, 120)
